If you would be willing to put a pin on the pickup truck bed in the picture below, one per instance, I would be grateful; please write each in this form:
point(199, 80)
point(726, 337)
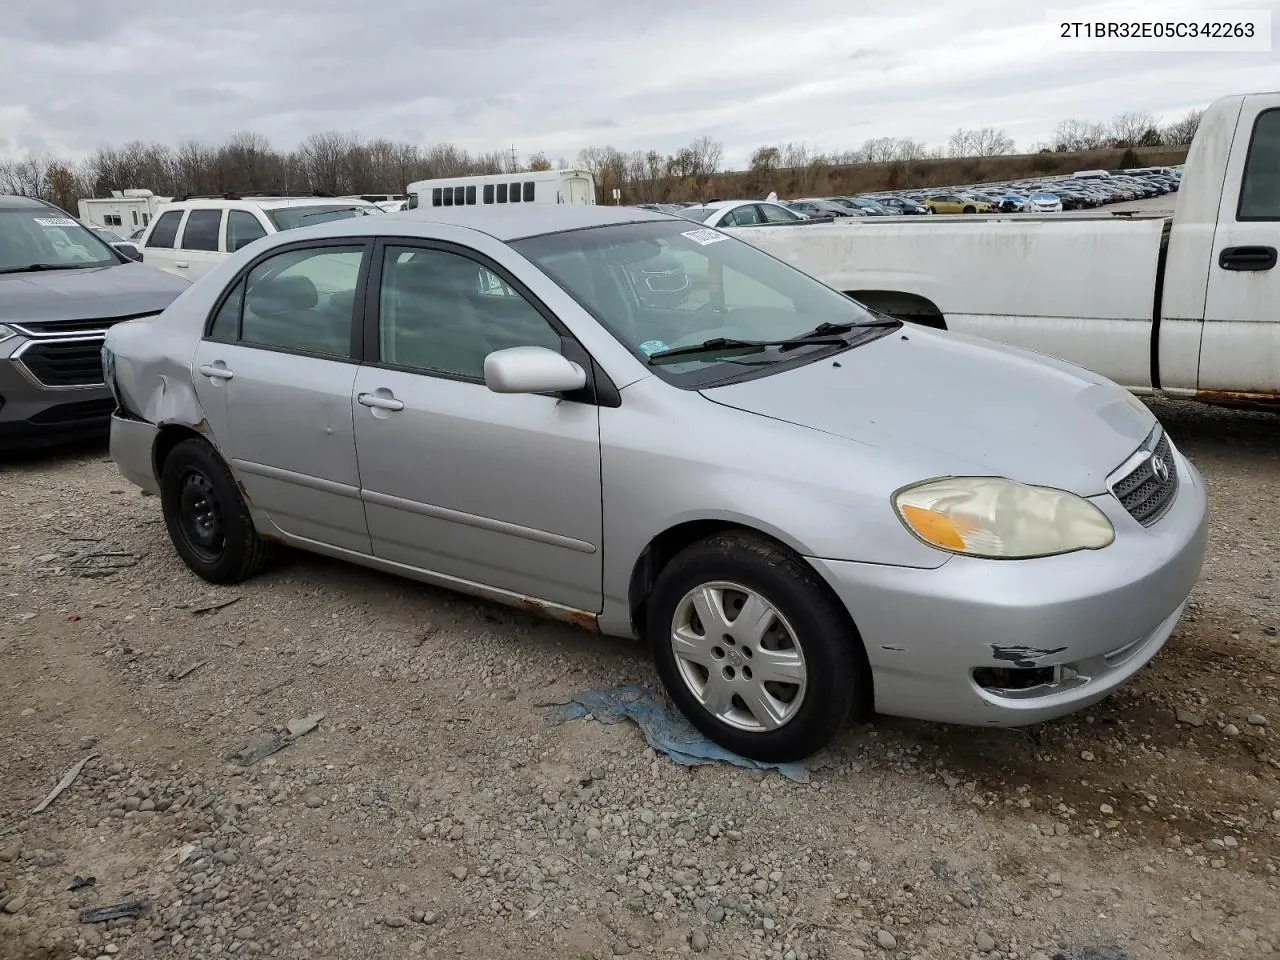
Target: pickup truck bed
point(1078, 287)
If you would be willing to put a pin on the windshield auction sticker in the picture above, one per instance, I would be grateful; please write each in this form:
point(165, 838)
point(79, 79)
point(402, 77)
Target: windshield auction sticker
point(704, 236)
point(54, 221)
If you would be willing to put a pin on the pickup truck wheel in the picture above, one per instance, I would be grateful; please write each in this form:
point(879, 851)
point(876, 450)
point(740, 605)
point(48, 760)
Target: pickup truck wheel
point(754, 649)
point(207, 518)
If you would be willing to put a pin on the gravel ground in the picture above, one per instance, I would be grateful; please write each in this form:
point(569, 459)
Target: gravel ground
point(434, 811)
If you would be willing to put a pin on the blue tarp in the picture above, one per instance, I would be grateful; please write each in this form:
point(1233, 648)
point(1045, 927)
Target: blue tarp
point(665, 728)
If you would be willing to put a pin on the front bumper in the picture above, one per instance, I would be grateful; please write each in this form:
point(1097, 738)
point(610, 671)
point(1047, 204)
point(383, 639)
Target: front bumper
point(1084, 622)
point(36, 415)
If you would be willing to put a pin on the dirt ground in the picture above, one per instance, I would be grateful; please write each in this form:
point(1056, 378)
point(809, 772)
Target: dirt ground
point(435, 811)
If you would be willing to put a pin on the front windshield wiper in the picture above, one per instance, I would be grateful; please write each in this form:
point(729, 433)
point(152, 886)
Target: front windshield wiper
point(827, 329)
point(37, 267)
point(717, 344)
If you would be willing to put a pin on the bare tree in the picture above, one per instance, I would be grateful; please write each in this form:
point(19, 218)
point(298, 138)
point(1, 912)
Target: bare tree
point(539, 161)
point(324, 158)
point(1127, 129)
point(982, 142)
point(880, 150)
point(1182, 132)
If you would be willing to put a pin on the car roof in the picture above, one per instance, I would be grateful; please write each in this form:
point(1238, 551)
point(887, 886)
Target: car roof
point(511, 223)
point(10, 202)
point(272, 203)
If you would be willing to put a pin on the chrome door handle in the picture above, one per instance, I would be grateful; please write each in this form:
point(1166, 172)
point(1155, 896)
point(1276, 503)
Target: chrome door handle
point(181, 264)
point(380, 403)
point(216, 373)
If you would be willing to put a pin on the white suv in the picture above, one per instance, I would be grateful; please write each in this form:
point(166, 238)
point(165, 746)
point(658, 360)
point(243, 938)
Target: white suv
point(190, 235)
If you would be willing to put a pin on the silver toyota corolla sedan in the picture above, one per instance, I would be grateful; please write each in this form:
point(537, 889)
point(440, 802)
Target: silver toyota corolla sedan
point(642, 425)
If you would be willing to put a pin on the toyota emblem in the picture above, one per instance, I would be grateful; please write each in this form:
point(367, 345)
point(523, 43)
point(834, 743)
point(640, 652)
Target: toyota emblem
point(1160, 468)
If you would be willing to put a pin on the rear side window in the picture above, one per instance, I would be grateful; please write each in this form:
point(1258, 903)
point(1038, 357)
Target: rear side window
point(201, 231)
point(1260, 187)
point(302, 300)
point(528, 191)
point(165, 230)
point(242, 229)
point(226, 325)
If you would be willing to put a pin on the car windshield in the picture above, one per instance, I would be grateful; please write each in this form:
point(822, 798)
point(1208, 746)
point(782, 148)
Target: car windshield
point(661, 286)
point(701, 214)
point(43, 238)
point(108, 235)
point(287, 218)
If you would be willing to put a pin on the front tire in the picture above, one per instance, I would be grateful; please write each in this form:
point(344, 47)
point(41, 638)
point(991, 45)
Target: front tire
point(969, 210)
point(207, 518)
point(754, 649)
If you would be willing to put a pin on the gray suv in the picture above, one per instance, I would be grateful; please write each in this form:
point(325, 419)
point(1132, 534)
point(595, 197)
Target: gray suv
point(61, 287)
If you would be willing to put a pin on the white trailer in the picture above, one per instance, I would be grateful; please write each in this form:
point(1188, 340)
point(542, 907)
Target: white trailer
point(125, 211)
point(543, 186)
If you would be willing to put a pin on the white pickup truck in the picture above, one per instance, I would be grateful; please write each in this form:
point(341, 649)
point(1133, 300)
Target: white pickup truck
point(1186, 306)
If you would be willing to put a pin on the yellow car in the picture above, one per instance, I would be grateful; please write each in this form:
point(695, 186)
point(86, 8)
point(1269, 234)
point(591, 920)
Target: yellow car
point(957, 203)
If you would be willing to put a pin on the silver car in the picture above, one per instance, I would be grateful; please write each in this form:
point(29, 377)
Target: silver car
point(804, 507)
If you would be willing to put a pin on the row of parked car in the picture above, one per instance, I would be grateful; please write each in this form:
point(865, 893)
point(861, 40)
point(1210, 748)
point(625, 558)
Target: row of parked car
point(1084, 190)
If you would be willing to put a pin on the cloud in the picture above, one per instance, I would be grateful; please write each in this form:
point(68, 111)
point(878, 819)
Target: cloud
point(544, 76)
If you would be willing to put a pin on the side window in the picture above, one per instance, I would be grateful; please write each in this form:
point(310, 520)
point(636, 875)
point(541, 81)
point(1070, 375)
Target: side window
point(242, 229)
point(488, 193)
point(441, 312)
point(201, 231)
point(471, 196)
point(514, 193)
point(502, 193)
point(303, 300)
point(773, 214)
point(1260, 187)
point(459, 196)
point(165, 230)
point(226, 325)
point(435, 196)
point(528, 191)
point(744, 216)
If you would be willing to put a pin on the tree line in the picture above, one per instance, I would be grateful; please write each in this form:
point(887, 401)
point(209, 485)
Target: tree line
point(338, 163)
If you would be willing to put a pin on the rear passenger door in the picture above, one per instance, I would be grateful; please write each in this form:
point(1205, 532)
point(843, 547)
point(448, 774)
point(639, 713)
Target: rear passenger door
point(199, 243)
point(274, 374)
point(158, 246)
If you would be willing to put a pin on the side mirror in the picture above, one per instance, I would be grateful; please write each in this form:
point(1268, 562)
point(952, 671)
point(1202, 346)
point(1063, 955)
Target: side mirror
point(531, 370)
point(129, 250)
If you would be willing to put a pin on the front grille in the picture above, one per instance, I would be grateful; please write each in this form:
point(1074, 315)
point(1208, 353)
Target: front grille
point(1145, 492)
point(71, 328)
point(64, 363)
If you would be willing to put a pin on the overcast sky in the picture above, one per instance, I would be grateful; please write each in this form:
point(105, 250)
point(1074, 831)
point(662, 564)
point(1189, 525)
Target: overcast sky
point(558, 75)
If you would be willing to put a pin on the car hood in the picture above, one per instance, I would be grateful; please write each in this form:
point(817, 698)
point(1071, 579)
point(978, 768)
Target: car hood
point(957, 405)
point(97, 292)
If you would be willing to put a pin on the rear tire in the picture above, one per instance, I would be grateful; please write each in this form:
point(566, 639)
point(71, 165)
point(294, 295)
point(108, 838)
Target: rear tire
point(776, 693)
point(207, 518)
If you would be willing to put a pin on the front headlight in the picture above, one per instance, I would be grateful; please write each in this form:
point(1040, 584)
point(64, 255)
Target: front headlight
point(995, 518)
